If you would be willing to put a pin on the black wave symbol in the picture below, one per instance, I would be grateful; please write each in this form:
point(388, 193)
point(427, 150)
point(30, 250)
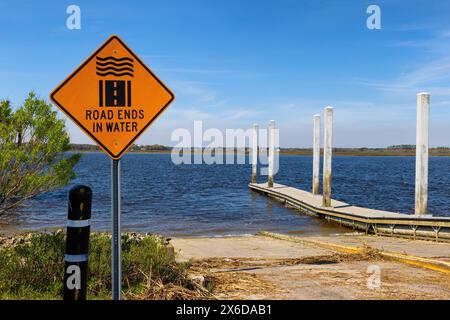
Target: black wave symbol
point(122, 66)
point(115, 59)
point(115, 69)
point(114, 74)
point(104, 64)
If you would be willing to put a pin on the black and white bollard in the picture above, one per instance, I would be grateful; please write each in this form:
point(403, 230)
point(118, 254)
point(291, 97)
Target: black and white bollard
point(77, 243)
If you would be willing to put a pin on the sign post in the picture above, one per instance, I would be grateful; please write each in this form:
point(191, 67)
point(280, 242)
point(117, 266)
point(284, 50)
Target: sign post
point(113, 97)
point(116, 233)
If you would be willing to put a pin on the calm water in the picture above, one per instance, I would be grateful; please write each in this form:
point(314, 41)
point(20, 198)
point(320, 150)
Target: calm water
point(200, 200)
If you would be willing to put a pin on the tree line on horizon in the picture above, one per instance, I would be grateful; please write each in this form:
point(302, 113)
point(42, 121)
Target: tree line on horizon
point(135, 147)
point(159, 147)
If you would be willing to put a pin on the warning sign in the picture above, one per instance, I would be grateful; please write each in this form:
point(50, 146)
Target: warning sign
point(113, 97)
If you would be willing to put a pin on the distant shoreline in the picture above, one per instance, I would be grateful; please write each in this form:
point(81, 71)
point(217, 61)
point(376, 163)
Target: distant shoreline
point(370, 153)
point(381, 153)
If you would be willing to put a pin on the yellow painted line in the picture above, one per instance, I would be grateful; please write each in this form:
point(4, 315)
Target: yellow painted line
point(433, 264)
point(427, 263)
point(326, 245)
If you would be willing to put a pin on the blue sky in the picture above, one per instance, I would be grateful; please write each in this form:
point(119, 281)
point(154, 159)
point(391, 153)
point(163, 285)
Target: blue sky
point(233, 63)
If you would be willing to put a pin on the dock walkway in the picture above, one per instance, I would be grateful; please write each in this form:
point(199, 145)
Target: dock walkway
point(368, 220)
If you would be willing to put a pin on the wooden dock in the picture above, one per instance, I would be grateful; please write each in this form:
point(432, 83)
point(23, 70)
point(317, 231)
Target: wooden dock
point(368, 220)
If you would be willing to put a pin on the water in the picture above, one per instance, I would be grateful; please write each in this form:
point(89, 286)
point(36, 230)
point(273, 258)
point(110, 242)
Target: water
point(214, 200)
point(385, 183)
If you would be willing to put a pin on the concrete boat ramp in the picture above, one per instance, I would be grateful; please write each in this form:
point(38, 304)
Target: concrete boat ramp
point(370, 221)
point(277, 266)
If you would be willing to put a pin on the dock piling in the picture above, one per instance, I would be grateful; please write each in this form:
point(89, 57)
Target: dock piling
point(327, 155)
point(422, 131)
point(271, 153)
point(255, 153)
point(316, 155)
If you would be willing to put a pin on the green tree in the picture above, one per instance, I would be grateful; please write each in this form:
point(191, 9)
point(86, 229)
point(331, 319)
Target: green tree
point(32, 142)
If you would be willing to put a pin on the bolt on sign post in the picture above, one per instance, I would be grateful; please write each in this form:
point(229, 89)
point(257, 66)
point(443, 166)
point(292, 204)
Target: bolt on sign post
point(77, 243)
point(113, 97)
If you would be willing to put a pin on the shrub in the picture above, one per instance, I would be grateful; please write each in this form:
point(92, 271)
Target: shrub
point(34, 268)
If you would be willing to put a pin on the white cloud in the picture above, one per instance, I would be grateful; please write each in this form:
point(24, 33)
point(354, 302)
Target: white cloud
point(198, 71)
point(194, 90)
point(429, 76)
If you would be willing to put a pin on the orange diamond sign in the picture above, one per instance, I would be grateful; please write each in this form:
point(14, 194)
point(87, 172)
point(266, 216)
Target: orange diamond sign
point(113, 97)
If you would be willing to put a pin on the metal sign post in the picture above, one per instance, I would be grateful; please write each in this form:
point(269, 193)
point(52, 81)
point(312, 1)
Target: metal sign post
point(116, 234)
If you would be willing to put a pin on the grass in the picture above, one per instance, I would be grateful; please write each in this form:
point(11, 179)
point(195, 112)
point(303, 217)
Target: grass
point(33, 269)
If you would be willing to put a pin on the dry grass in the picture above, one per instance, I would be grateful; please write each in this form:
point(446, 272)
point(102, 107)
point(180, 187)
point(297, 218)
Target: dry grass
point(225, 279)
point(157, 290)
point(235, 264)
point(233, 278)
